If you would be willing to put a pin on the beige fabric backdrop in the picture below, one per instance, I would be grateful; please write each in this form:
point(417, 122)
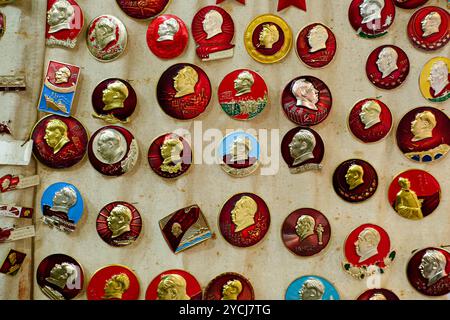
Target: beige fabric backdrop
point(269, 265)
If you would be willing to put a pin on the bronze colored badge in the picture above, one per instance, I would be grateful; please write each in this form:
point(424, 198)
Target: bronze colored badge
point(306, 232)
point(174, 285)
point(355, 180)
point(113, 282)
point(378, 294)
point(229, 286)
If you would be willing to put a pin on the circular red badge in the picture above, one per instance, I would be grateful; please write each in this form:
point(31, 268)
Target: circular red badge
point(370, 120)
point(302, 149)
point(167, 36)
point(414, 194)
point(244, 220)
point(114, 100)
point(387, 67)
point(306, 232)
point(174, 285)
point(119, 224)
point(316, 45)
point(428, 271)
point(113, 150)
point(355, 180)
point(306, 101)
point(423, 134)
point(60, 277)
point(184, 91)
point(378, 294)
point(409, 4)
point(143, 9)
point(113, 282)
point(59, 142)
point(371, 18)
point(229, 286)
point(170, 155)
point(429, 28)
point(243, 94)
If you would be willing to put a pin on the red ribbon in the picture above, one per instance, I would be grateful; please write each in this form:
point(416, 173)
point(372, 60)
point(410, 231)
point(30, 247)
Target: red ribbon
point(282, 4)
point(220, 1)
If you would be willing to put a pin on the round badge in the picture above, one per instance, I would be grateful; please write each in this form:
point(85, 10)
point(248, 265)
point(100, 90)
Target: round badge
point(355, 180)
point(367, 251)
point(306, 101)
point(106, 38)
point(213, 32)
point(370, 120)
point(409, 4)
point(239, 154)
point(306, 232)
point(174, 285)
point(143, 9)
point(113, 282)
point(423, 134)
point(316, 45)
point(302, 149)
point(229, 286)
point(429, 28)
point(311, 288)
point(414, 194)
point(119, 224)
point(170, 155)
point(387, 67)
point(62, 206)
point(243, 94)
point(371, 18)
point(428, 271)
point(59, 142)
point(268, 39)
point(378, 294)
point(114, 101)
point(64, 23)
point(184, 91)
point(244, 220)
point(113, 150)
point(167, 36)
point(434, 80)
point(60, 277)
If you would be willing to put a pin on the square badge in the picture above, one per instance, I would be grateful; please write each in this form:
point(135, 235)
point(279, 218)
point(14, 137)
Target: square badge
point(13, 262)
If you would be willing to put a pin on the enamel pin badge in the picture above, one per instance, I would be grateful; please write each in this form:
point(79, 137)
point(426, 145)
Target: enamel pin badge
point(434, 80)
point(371, 18)
point(143, 10)
point(65, 21)
point(174, 285)
point(316, 45)
point(311, 288)
point(113, 282)
point(229, 286)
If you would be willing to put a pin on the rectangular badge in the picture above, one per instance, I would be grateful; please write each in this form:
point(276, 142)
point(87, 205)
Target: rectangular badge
point(58, 90)
point(15, 212)
point(12, 83)
point(11, 182)
point(16, 153)
point(14, 234)
point(13, 262)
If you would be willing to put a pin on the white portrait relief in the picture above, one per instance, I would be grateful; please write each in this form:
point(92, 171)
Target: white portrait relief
point(367, 244)
point(312, 289)
point(60, 16)
point(62, 75)
point(422, 126)
point(243, 83)
point(431, 23)
point(302, 146)
point(439, 77)
point(305, 93)
point(387, 61)
point(167, 30)
point(212, 24)
point(317, 38)
point(109, 146)
point(370, 114)
point(64, 199)
point(370, 10)
point(104, 32)
point(433, 265)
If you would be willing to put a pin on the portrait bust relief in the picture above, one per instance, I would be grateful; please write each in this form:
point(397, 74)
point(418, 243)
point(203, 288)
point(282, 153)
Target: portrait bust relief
point(185, 81)
point(116, 286)
point(302, 146)
point(387, 61)
point(119, 220)
point(432, 266)
point(167, 30)
point(243, 83)
point(172, 287)
point(370, 114)
point(60, 16)
point(354, 176)
point(212, 24)
point(62, 274)
point(171, 151)
point(367, 244)
point(407, 204)
point(423, 125)
point(114, 95)
point(243, 213)
point(370, 10)
point(62, 75)
point(269, 35)
point(317, 38)
point(231, 290)
point(431, 23)
point(104, 33)
point(56, 135)
point(110, 146)
point(305, 226)
point(439, 77)
point(312, 289)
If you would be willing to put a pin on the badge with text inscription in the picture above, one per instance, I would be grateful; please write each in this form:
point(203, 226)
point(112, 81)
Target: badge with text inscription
point(311, 288)
point(16, 212)
point(316, 45)
point(371, 18)
point(113, 282)
point(11, 182)
point(409, 4)
point(434, 80)
point(13, 262)
point(378, 294)
point(174, 285)
point(8, 233)
point(143, 9)
point(64, 23)
point(229, 286)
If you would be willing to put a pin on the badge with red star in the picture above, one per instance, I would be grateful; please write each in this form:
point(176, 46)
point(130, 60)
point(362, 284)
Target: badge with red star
point(282, 4)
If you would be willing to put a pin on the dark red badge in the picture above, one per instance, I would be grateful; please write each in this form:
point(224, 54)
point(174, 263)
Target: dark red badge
point(428, 271)
point(302, 149)
point(423, 134)
point(213, 32)
point(64, 23)
point(306, 232)
point(355, 180)
point(370, 120)
point(306, 101)
point(414, 194)
point(59, 142)
point(229, 286)
point(371, 18)
point(170, 155)
point(316, 45)
point(114, 100)
point(378, 294)
point(113, 282)
point(184, 91)
point(244, 220)
point(13, 262)
point(113, 150)
point(142, 10)
point(119, 223)
point(174, 285)
point(167, 36)
point(409, 4)
point(60, 277)
point(429, 28)
point(387, 67)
